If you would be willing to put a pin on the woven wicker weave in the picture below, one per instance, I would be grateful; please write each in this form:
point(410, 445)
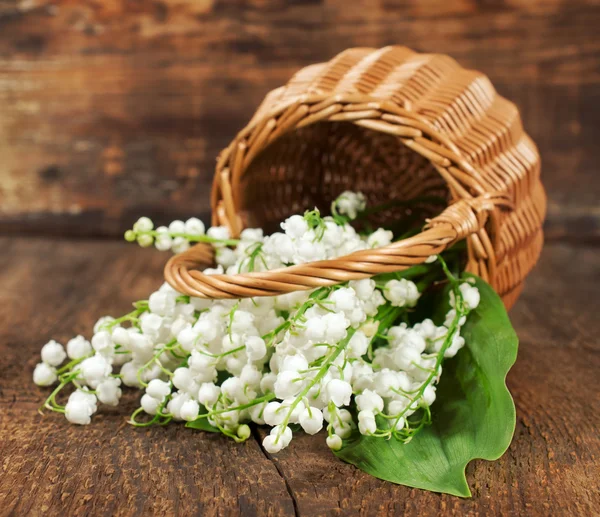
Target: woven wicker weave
point(398, 126)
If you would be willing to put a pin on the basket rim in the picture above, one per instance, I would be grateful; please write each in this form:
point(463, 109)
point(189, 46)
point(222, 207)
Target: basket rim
point(458, 221)
point(412, 129)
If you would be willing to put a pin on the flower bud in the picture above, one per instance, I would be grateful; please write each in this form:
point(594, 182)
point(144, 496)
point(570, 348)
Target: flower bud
point(44, 375)
point(311, 420)
point(243, 432)
point(53, 353)
point(334, 442)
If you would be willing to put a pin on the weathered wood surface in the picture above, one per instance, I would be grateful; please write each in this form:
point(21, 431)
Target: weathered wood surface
point(116, 108)
point(59, 288)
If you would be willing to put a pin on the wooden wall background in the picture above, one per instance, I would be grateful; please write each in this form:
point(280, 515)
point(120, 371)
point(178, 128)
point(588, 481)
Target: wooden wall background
point(110, 109)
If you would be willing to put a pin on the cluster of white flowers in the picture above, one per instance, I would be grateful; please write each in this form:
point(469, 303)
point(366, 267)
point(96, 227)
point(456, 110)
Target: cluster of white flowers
point(176, 237)
point(334, 357)
point(349, 204)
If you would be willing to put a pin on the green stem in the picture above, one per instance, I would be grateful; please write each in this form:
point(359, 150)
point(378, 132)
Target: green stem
point(440, 357)
point(191, 238)
point(167, 417)
point(132, 316)
point(50, 402)
point(320, 374)
point(320, 294)
point(70, 365)
point(155, 359)
point(265, 398)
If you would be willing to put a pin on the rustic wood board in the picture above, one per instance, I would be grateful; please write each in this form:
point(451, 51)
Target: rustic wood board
point(59, 288)
point(116, 108)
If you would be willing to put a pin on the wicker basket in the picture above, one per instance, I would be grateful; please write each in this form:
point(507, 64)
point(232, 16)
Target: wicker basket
point(398, 126)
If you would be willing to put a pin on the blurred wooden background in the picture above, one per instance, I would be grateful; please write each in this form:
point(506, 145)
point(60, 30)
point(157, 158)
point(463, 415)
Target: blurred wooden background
point(111, 108)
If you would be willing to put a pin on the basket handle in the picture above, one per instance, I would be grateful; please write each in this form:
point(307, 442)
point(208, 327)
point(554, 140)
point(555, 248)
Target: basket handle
point(458, 221)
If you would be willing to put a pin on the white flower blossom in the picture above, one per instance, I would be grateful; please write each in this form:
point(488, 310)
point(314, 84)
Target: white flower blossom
point(53, 353)
point(325, 358)
point(350, 203)
point(78, 347)
point(109, 392)
point(44, 374)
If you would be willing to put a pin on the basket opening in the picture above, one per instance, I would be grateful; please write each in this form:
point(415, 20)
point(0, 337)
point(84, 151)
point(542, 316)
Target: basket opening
point(312, 165)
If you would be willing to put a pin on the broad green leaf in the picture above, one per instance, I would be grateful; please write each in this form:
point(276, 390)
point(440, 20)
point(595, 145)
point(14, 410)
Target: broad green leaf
point(473, 416)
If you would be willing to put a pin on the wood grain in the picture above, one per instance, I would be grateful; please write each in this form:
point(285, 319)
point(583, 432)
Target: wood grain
point(59, 288)
point(49, 468)
point(114, 109)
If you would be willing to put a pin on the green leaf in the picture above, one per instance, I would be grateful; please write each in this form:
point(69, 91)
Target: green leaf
point(473, 416)
point(201, 424)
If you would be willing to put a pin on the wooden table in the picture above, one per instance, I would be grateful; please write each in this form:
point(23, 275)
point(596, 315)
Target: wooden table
point(114, 109)
point(58, 288)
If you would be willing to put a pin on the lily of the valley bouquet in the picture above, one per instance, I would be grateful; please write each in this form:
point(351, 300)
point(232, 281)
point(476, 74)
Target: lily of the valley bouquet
point(403, 374)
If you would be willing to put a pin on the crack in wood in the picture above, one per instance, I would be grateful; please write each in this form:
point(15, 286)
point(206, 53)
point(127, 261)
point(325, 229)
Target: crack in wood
point(288, 487)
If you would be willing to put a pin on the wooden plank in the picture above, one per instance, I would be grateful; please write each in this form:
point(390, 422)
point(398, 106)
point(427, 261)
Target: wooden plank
point(50, 468)
point(114, 109)
point(57, 289)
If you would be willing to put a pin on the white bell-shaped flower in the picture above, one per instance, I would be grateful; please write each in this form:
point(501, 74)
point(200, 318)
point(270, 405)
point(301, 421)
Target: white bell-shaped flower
point(53, 353)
